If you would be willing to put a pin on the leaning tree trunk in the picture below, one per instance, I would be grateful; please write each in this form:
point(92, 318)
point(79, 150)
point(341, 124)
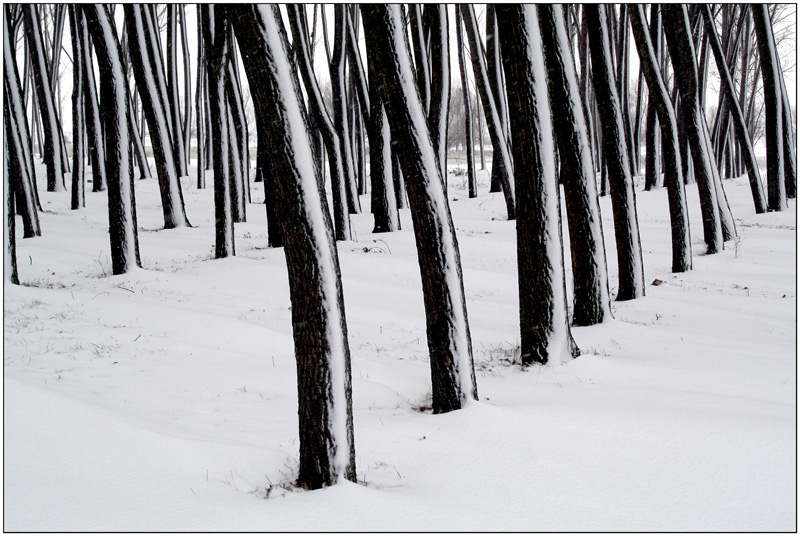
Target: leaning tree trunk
point(745, 143)
point(76, 20)
point(149, 74)
point(449, 345)
point(544, 319)
point(470, 143)
point(91, 114)
point(45, 100)
point(499, 146)
point(330, 135)
point(214, 25)
point(681, 50)
point(17, 146)
point(623, 200)
point(327, 452)
point(773, 118)
point(116, 127)
point(587, 248)
point(495, 70)
point(660, 101)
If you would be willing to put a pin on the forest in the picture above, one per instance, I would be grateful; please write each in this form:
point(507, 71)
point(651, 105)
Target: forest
point(565, 236)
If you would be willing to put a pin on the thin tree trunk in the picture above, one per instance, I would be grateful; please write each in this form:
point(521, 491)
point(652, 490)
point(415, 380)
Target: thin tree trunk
point(470, 144)
point(78, 194)
point(623, 200)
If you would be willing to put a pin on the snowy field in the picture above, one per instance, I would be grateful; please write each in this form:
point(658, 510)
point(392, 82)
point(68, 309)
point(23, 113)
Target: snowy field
point(165, 399)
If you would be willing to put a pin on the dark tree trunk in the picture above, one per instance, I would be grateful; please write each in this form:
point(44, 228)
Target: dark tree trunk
point(789, 157)
point(773, 118)
point(398, 180)
point(45, 100)
point(659, 99)
point(149, 74)
point(199, 104)
point(738, 117)
point(470, 143)
point(214, 25)
point(544, 320)
point(187, 80)
point(330, 135)
point(501, 153)
point(449, 344)
point(116, 127)
point(681, 50)
point(440, 81)
point(327, 452)
point(178, 142)
point(17, 143)
point(623, 200)
point(587, 247)
point(623, 84)
point(340, 122)
point(138, 145)
point(274, 230)
point(9, 237)
point(78, 194)
point(238, 145)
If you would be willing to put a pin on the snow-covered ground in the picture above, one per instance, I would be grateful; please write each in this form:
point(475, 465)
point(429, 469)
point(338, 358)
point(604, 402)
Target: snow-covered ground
point(165, 399)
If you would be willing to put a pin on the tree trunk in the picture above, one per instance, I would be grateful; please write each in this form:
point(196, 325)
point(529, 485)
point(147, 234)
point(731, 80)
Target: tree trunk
point(470, 143)
point(330, 135)
point(214, 25)
point(17, 143)
point(681, 50)
point(199, 109)
point(149, 74)
point(738, 117)
point(449, 344)
point(623, 200)
point(544, 319)
point(178, 142)
point(116, 127)
point(773, 122)
point(440, 81)
point(45, 100)
point(499, 146)
point(78, 194)
point(327, 453)
point(659, 99)
point(587, 248)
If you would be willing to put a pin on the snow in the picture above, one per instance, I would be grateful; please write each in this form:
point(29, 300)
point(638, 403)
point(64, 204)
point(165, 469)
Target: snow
point(165, 400)
point(304, 159)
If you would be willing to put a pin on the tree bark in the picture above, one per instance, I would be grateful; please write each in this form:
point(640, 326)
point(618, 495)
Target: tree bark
point(773, 123)
point(78, 193)
point(544, 321)
point(449, 344)
point(660, 101)
point(591, 304)
point(116, 127)
point(327, 452)
point(214, 24)
point(470, 143)
point(623, 200)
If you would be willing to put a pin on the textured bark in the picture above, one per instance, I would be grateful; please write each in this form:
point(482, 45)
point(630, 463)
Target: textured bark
point(116, 128)
point(178, 141)
point(591, 304)
point(659, 98)
point(439, 44)
point(78, 184)
point(149, 74)
point(773, 118)
point(327, 452)
point(499, 145)
point(45, 100)
point(214, 25)
point(740, 127)
point(623, 200)
point(676, 25)
point(330, 135)
point(544, 323)
point(237, 145)
point(470, 143)
point(9, 237)
point(449, 345)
